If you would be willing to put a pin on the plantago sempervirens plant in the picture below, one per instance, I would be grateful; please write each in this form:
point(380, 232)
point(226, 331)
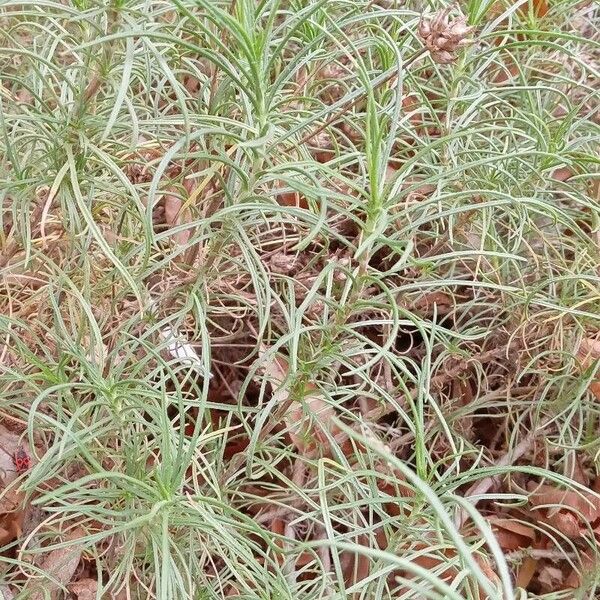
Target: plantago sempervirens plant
point(389, 269)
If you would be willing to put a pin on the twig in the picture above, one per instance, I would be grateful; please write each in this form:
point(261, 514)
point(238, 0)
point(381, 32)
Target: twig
point(538, 553)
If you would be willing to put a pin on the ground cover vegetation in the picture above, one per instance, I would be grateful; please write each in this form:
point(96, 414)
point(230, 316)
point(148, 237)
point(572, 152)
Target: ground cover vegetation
point(299, 299)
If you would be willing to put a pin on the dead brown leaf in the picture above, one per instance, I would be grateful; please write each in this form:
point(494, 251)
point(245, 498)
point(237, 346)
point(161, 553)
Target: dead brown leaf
point(540, 8)
point(321, 147)
point(508, 73)
point(551, 578)
point(574, 469)
point(308, 421)
point(587, 353)
point(526, 572)
point(176, 214)
point(84, 589)
point(488, 571)
point(12, 526)
point(426, 303)
point(6, 535)
point(512, 534)
point(288, 197)
point(356, 566)
point(278, 528)
point(562, 174)
point(60, 565)
point(430, 561)
point(568, 511)
point(575, 577)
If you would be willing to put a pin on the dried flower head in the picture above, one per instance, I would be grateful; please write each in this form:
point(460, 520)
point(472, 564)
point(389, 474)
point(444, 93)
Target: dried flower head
point(443, 36)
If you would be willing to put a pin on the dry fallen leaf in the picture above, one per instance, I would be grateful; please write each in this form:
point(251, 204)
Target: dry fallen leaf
point(488, 571)
point(427, 302)
point(176, 214)
point(289, 197)
point(356, 566)
point(431, 561)
point(588, 565)
point(512, 534)
point(550, 578)
point(570, 512)
point(540, 8)
point(507, 72)
point(310, 420)
point(60, 565)
point(84, 589)
point(587, 353)
point(526, 572)
point(562, 174)
point(574, 469)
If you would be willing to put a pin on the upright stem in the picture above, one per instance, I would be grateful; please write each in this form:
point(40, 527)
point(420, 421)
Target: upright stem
point(351, 103)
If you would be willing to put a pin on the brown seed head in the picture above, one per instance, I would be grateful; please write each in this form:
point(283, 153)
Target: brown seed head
point(443, 36)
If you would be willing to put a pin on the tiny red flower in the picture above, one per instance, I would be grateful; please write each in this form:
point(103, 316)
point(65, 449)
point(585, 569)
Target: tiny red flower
point(21, 460)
